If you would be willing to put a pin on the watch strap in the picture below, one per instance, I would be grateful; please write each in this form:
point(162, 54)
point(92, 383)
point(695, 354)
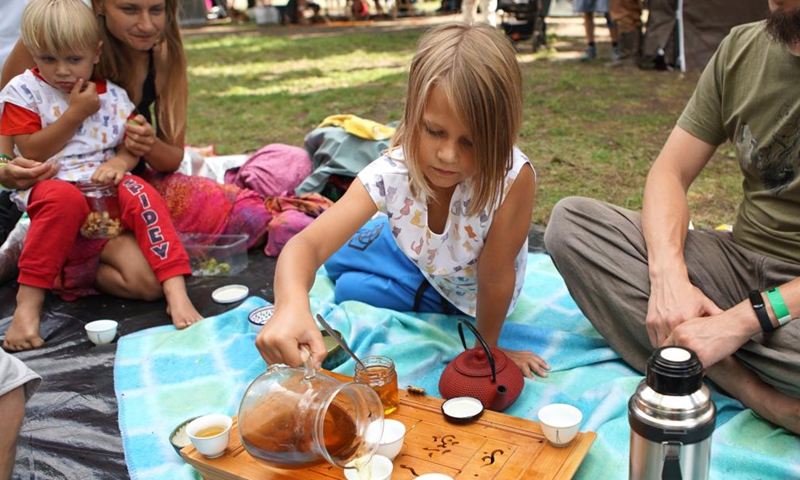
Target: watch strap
point(779, 306)
point(761, 311)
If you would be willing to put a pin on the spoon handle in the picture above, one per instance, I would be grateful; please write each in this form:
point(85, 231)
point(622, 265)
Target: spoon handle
point(339, 340)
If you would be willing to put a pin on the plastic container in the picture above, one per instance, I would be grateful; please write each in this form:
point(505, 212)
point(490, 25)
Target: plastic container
point(216, 255)
point(103, 220)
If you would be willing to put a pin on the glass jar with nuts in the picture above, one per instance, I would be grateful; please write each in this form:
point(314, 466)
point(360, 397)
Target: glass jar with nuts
point(104, 217)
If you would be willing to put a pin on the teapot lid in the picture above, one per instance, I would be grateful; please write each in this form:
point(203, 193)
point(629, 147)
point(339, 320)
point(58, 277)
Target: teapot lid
point(475, 363)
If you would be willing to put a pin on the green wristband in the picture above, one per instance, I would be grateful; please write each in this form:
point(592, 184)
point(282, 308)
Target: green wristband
point(779, 306)
point(5, 158)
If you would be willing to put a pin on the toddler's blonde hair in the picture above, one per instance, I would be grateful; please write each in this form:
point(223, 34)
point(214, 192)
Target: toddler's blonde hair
point(58, 26)
point(476, 67)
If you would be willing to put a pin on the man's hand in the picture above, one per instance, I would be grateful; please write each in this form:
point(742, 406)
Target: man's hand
point(712, 338)
point(139, 136)
point(22, 173)
point(673, 303)
point(83, 99)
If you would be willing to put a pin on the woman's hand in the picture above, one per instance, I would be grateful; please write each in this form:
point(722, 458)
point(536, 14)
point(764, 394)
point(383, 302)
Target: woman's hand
point(22, 173)
point(528, 362)
point(671, 304)
point(139, 136)
point(280, 339)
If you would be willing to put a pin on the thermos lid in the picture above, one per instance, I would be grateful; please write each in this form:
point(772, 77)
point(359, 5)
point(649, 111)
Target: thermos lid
point(674, 371)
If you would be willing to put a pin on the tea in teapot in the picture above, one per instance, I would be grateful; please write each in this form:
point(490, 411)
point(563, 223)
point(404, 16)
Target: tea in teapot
point(298, 418)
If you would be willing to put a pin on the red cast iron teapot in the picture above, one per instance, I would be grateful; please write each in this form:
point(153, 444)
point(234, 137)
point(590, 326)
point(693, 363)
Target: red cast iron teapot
point(483, 373)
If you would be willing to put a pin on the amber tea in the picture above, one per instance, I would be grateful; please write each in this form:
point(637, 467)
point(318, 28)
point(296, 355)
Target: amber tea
point(211, 431)
point(273, 438)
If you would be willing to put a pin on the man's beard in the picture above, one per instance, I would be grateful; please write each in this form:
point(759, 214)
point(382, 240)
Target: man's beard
point(783, 26)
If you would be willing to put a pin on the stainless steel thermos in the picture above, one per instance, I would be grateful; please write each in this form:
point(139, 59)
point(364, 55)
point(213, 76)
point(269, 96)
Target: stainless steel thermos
point(672, 417)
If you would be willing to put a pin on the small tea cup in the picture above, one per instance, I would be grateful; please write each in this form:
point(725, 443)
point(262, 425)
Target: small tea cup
point(381, 469)
point(101, 332)
point(210, 434)
point(560, 423)
point(392, 439)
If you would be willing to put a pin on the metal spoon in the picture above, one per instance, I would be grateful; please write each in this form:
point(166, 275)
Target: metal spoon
point(339, 340)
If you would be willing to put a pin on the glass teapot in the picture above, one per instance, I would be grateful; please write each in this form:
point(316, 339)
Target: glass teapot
point(298, 418)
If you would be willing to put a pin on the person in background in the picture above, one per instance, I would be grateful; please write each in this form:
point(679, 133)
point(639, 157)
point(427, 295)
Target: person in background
point(457, 193)
point(55, 113)
point(646, 280)
point(143, 53)
point(626, 15)
point(588, 8)
point(17, 384)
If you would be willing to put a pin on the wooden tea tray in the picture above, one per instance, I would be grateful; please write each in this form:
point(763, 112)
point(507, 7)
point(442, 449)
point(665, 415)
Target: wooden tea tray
point(497, 446)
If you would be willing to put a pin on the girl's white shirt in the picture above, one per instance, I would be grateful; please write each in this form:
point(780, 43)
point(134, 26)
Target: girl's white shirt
point(448, 260)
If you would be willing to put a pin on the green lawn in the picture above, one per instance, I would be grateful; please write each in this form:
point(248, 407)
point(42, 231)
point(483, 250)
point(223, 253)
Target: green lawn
point(590, 130)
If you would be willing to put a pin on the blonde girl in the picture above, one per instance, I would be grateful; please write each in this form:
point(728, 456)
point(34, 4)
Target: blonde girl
point(457, 196)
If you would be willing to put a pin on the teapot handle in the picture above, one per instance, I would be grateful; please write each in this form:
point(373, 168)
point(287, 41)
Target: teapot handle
point(483, 343)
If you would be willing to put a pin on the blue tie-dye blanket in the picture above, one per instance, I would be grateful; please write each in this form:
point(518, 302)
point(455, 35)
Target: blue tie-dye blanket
point(163, 376)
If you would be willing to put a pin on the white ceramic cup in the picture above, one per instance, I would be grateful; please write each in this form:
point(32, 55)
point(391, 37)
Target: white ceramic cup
point(214, 445)
point(392, 439)
point(101, 332)
point(560, 423)
point(381, 469)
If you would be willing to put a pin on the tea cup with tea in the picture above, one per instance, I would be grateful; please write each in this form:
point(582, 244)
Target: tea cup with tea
point(210, 434)
point(377, 468)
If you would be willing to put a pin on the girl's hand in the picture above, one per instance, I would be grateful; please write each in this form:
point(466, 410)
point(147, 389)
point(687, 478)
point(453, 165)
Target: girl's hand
point(83, 99)
point(139, 136)
point(110, 172)
point(280, 339)
point(528, 362)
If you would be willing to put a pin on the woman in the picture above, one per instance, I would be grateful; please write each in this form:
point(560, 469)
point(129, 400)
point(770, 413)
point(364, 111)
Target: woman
point(143, 52)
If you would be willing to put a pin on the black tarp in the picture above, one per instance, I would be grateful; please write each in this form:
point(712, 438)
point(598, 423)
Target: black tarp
point(71, 429)
point(705, 23)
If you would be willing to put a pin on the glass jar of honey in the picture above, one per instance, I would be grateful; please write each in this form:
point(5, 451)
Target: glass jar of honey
point(380, 374)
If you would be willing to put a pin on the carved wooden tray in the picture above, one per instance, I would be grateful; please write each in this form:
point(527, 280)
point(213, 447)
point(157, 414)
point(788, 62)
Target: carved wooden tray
point(497, 446)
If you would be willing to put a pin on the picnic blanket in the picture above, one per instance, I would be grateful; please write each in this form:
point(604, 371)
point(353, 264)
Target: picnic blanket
point(163, 376)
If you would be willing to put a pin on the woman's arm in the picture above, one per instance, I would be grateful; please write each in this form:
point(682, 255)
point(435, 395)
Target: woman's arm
point(164, 153)
point(496, 276)
point(17, 62)
point(292, 324)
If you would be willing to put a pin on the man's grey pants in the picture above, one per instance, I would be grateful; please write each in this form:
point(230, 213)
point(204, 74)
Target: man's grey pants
point(599, 249)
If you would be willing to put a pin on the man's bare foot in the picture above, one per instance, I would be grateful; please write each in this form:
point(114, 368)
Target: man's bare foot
point(746, 386)
point(179, 307)
point(23, 333)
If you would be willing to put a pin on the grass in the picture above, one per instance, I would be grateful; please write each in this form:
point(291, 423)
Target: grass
point(590, 130)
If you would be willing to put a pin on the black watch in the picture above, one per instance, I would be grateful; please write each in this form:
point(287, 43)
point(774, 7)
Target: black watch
point(761, 311)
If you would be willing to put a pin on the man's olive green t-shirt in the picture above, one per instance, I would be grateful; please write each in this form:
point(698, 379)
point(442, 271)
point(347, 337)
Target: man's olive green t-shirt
point(750, 94)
